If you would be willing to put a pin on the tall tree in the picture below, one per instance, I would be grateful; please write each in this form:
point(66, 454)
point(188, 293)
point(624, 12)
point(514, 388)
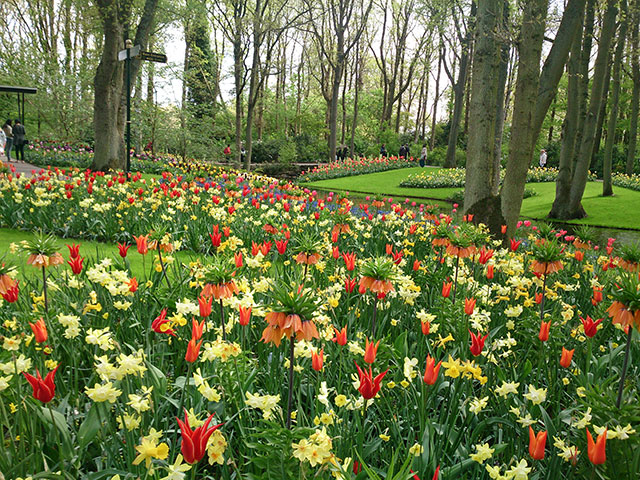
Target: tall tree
point(635, 98)
point(347, 20)
point(480, 175)
point(109, 83)
point(524, 105)
point(607, 188)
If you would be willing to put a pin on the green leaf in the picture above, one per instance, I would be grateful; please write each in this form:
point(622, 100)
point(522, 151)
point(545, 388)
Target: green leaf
point(158, 379)
point(89, 427)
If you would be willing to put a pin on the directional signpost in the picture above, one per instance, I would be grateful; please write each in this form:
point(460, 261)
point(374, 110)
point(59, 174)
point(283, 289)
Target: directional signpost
point(126, 55)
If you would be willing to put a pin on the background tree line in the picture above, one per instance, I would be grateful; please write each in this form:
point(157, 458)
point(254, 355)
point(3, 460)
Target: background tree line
point(488, 83)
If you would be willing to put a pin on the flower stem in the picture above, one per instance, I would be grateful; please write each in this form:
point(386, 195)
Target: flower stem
point(624, 368)
point(455, 281)
point(544, 290)
point(373, 318)
point(290, 399)
point(164, 271)
point(224, 332)
point(44, 289)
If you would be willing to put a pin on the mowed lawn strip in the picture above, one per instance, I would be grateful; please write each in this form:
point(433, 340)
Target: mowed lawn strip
point(384, 183)
point(87, 249)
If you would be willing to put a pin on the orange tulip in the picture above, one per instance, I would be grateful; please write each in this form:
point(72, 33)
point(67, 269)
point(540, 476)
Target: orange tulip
point(245, 315)
point(341, 336)
point(597, 451)
point(469, 305)
point(317, 360)
point(565, 359)
point(489, 272)
point(432, 370)
point(142, 243)
point(193, 350)
point(370, 351)
point(196, 329)
point(204, 304)
point(537, 444)
point(446, 289)
point(39, 331)
point(425, 327)
point(544, 331)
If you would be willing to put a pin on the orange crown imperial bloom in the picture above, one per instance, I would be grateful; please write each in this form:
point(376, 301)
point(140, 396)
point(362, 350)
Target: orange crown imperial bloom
point(370, 351)
point(43, 390)
point(462, 252)
point(369, 386)
point(537, 444)
point(376, 286)
point(432, 371)
point(546, 268)
point(281, 324)
point(308, 259)
point(565, 359)
point(40, 260)
point(222, 290)
point(39, 330)
point(623, 316)
point(6, 283)
point(597, 451)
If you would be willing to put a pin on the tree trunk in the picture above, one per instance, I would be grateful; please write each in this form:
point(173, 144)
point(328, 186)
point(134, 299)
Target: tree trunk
point(358, 86)
point(253, 86)
point(458, 92)
point(435, 98)
point(602, 114)
point(500, 107)
point(635, 99)
point(574, 208)
point(480, 173)
point(524, 105)
point(569, 125)
point(607, 188)
point(109, 92)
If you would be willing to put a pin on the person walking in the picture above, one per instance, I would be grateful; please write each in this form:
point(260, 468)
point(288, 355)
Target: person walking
point(19, 140)
point(402, 153)
point(383, 151)
point(543, 158)
point(8, 132)
point(423, 155)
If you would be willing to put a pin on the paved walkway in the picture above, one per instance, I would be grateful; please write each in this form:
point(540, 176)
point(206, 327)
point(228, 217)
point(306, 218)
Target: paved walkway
point(21, 167)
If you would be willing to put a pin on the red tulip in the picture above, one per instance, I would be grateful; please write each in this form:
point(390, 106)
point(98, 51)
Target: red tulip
point(204, 303)
point(477, 343)
point(159, 324)
point(565, 358)
point(416, 265)
point(597, 451)
point(349, 260)
point(216, 239)
point(489, 272)
point(39, 330)
point(12, 292)
point(370, 351)
point(544, 331)
point(369, 386)
point(317, 359)
point(194, 442)
point(341, 336)
point(469, 305)
point(281, 246)
point(425, 327)
point(590, 327)
point(76, 264)
point(515, 244)
point(432, 370)
point(74, 250)
point(485, 255)
point(349, 284)
point(538, 298)
point(335, 252)
point(537, 444)
point(123, 248)
point(43, 390)
point(446, 289)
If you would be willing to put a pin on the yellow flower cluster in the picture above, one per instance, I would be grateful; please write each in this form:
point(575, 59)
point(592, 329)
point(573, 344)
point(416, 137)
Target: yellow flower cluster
point(316, 449)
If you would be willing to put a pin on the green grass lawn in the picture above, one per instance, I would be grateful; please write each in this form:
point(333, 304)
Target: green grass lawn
point(87, 249)
point(619, 211)
point(385, 183)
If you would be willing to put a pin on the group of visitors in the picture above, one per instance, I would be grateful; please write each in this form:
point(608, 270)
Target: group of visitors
point(404, 152)
point(13, 136)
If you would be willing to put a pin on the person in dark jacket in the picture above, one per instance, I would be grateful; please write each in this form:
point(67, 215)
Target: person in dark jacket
point(383, 151)
point(402, 153)
point(19, 140)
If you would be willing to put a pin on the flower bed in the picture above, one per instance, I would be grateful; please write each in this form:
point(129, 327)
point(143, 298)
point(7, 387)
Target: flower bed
point(355, 166)
point(631, 182)
point(455, 177)
point(305, 338)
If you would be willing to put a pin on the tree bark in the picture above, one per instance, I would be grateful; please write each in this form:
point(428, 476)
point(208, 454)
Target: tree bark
point(500, 107)
point(635, 99)
point(524, 106)
point(574, 208)
point(480, 174)
point(458, 92)
point(607, 188)
point(432, 142)
point(110, 95)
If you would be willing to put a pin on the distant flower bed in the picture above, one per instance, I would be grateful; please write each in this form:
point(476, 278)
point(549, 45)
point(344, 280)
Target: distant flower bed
point(631, 182)
point(355, 166)
point(455, 177)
